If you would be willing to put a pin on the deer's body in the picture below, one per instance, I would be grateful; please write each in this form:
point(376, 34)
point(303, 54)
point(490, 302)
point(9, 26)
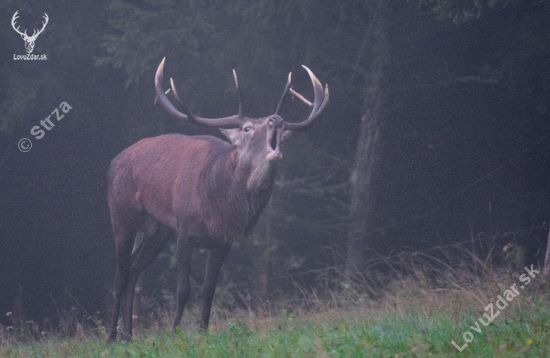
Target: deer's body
point(149, 185)
point(201, 190)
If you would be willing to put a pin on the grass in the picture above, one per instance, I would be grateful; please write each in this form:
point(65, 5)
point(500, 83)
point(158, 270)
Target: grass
point(413, 317)
point(338, 333)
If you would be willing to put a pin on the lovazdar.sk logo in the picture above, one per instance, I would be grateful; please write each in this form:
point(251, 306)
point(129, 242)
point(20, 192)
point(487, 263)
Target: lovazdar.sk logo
point(29, 40)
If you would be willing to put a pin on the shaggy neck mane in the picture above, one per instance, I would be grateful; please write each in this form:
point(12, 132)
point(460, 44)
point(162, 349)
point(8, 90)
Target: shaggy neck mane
point(231, 208)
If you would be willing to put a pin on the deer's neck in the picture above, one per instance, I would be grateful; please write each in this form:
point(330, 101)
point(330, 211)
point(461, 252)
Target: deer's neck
point(237, 194)
point(256, 172)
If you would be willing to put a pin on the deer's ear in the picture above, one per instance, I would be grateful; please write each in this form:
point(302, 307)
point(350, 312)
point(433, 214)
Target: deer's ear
point(232, 134)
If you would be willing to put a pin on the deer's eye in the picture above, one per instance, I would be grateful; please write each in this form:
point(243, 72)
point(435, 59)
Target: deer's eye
point(247, 129)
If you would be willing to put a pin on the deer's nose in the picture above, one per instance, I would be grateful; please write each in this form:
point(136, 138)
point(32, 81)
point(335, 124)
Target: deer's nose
point(275, 122)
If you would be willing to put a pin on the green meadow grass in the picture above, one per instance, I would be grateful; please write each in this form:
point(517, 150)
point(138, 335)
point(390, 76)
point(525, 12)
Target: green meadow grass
point(411, 319)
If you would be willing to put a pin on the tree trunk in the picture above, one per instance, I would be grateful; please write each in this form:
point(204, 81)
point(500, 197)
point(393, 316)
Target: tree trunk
point(371, 60)
point(362, 191)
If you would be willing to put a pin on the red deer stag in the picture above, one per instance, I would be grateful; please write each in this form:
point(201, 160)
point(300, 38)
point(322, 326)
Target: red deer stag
point(204, 191)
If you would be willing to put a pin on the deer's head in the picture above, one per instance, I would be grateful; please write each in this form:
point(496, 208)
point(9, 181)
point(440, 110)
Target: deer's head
point(257, 140)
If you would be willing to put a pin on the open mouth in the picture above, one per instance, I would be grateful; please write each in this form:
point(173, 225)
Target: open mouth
point(273, 146)
point(273, 143)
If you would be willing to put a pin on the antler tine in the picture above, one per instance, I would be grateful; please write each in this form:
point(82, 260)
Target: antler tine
point(285, 92)
point(239, 94)
point(319, 103)
point(225, 122)
point(156, 101)
point(161, 95)
point(176, 95)
point(300, 97)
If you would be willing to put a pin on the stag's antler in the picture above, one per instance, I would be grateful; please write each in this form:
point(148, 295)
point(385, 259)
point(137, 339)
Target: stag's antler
point(225, 122)
point(285, 92)
point(319, 103)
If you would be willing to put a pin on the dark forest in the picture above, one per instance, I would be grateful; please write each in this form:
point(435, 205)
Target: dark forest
point(436, 136)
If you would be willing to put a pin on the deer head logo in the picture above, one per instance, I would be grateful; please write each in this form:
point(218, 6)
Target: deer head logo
point(29, 40)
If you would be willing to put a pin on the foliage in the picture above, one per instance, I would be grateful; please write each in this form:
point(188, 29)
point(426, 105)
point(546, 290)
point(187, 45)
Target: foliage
point(460, 10)
point(141, 34)
point(413, 317)
point(527, 48)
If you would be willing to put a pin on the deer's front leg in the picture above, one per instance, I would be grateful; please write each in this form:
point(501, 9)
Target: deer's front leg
point(215, 260)
point(184, 253)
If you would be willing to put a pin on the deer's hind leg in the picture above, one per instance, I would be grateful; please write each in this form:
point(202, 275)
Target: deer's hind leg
point(142, 256)
point(124, 242)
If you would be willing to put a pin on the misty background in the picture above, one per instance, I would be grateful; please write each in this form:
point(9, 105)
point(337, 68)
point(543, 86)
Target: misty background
point(437, 133)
